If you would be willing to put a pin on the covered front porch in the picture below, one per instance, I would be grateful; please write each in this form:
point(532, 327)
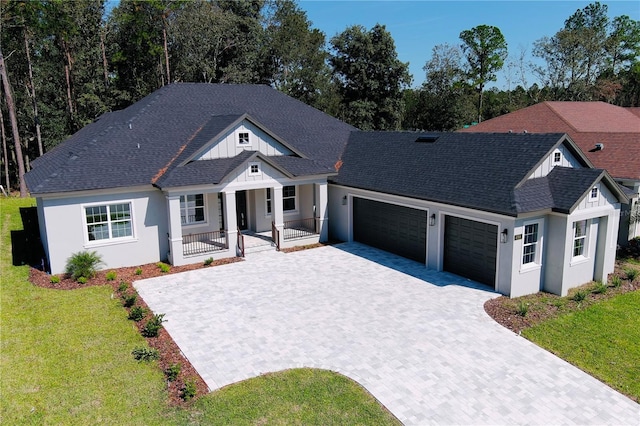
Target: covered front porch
point(230, 221)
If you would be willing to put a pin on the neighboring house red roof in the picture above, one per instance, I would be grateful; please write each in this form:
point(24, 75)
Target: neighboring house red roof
point(587, 123)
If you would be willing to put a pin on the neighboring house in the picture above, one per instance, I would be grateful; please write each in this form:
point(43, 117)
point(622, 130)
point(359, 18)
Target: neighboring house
point(182, 173)
point(608, 135)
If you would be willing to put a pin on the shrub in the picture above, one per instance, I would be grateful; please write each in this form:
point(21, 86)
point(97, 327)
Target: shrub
point(82, 280)
point(152, 326)
point(145, 354)
point(163, 267)
point(129, 300)
point(579, 296)
point(55, 279)
point(137, 313)
point(522, 308)
point(189, 390)
point(138, 271)
point(123, 287)
point(172, 372)
point(111, 275)
point(599, 288)
point(616, 281)
point(208, 261)
point(632, 274)
point(83, 264)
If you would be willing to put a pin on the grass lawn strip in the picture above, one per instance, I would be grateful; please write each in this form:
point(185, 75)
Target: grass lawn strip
point(66, 359)
point(298, 396)
point(602, 340)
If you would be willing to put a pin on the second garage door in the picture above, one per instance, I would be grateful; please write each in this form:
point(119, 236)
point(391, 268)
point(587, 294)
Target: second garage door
point(470, 249)
point(397, 229)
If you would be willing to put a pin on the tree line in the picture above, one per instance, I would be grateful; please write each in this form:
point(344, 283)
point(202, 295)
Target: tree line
point(64, 63)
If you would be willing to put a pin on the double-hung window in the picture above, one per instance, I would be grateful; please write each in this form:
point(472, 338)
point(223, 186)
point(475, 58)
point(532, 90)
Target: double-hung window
point(579, 238)
point(288, 198)
point(109, 221)
point(192, 209)
point(530, 244)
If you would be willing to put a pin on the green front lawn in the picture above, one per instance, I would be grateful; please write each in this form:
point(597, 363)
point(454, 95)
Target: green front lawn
point(66, 359)
point(603, 340)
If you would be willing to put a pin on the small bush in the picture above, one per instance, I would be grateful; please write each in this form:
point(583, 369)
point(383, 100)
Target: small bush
point(82, 280)
point(110, 276)
point(129, 300)
point(163, 267)
point(189, 390)
point(153, 326)
point(579, 296)
point(172, 372)
point(137, 313)
point(83, 264)
point(208, 261)
point(55, 279)
point(632, 274)
point(522, 308)
point(123, 287)
point(138, 271)
point(616, 281)
point(599, 288)
point(145, 354)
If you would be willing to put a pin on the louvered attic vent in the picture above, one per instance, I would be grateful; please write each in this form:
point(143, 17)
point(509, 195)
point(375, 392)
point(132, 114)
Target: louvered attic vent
point(427, 138)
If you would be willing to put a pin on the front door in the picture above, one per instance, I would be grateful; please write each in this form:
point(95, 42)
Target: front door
point(241, 209)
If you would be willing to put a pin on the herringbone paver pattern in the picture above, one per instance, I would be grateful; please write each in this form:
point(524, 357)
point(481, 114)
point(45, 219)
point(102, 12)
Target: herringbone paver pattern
point(418, 340)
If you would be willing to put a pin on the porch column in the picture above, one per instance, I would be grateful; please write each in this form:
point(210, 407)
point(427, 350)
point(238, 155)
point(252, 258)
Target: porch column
point(322, 214)
point(175, 230)
point(230, 220)
point(278, 213)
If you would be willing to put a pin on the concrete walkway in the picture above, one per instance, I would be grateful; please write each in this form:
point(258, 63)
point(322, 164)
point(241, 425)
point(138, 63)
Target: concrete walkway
point(418, 340)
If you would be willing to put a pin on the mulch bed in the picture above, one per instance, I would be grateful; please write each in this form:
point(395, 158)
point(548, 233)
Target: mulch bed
point(544, 306)
point(170, 353)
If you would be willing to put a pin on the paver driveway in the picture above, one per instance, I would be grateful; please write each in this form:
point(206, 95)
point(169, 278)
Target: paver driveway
point(418, 340)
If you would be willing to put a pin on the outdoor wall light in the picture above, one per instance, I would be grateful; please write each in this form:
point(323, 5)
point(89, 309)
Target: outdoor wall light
point(432, 219)
point(503, 236)
point(344, 200)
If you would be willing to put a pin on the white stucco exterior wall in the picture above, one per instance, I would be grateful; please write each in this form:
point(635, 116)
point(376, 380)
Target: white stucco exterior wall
point(64, 219)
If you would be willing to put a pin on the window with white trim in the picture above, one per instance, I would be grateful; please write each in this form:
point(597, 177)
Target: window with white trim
point(579, 237)
point(288, 198)
point(109, 221)
point(192, 209)
point(268, 200)
point(254, 169)
point(594, 194)
point(556, 157)
point(243, 138)
point(530, 244)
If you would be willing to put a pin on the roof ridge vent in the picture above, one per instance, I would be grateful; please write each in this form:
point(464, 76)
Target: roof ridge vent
point(427, 138)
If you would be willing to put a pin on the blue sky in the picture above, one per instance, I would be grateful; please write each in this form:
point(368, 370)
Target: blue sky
point(417, 26)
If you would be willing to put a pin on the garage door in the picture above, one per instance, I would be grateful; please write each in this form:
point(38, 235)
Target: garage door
point(397, 229)
point(470, 249)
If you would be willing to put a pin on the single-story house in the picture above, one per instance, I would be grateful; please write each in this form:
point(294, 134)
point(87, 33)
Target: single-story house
point(608, 135)
point(185, 172)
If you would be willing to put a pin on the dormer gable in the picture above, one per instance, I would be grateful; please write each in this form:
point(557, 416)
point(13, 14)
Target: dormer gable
point(564, 154)
point(241, 133)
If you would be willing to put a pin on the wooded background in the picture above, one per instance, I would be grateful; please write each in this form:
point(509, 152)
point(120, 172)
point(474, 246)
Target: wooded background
point(64, 63)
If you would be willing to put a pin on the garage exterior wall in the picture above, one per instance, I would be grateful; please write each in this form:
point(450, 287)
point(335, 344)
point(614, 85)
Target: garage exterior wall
point(341, 228)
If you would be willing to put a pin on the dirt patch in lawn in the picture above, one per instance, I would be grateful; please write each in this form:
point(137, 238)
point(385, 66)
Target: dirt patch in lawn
point(169, 351)
point(526, 311)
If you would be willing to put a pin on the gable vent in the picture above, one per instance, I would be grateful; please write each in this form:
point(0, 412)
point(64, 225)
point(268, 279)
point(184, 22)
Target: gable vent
point(427, 138)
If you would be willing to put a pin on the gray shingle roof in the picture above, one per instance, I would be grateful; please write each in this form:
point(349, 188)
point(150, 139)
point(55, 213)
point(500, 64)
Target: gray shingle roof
point(475, 170)
point(139, 144)
point(559, 191)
